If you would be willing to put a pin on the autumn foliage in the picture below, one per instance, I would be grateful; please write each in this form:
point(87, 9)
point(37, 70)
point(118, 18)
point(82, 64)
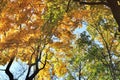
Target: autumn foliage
point(41, 34)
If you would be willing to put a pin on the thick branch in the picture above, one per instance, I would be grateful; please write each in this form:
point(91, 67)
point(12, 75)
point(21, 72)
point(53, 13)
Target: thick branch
point(113, 4)
point(37, 70)
point(115, 8)
point(94, 3)
point(7, 71)
point(80, 68)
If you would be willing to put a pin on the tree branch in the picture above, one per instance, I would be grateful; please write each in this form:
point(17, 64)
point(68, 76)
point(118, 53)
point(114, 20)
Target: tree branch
point(31, 64)
point(7, 71)
point(68, 5)
point(94, 3)
point(111, 67)
point(115, 8)
point(37, 70)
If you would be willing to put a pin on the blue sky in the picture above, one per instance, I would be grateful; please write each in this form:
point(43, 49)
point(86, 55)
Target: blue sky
point(79, 30)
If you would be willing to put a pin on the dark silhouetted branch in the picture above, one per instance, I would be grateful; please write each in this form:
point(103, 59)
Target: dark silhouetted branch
point(115, 8)
point(37, 70)
point(7, 71)
point(94, 3)
point(30, 65)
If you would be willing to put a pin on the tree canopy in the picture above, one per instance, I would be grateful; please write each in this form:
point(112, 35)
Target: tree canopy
point(41, 34)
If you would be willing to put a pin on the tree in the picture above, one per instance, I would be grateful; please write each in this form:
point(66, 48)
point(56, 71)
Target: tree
point(96, 60)
point(40, 33)
point(21, 29)
point(27, 28)
point(102, 30)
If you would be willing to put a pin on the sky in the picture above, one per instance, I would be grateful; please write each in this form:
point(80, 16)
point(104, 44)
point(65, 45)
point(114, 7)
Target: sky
point(18, 68)
point(79, 30)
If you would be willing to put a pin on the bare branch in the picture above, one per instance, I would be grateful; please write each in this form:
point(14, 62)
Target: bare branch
point(37, 70)
point(7, 71)
point(30, 63)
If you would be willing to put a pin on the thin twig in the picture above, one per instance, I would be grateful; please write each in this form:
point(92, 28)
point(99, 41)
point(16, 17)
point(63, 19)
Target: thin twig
point(68, 5)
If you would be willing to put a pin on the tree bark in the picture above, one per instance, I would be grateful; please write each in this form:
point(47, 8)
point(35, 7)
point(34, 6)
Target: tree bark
point(115, 8)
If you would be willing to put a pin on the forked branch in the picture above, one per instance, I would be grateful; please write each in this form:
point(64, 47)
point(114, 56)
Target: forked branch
point(7, 70)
